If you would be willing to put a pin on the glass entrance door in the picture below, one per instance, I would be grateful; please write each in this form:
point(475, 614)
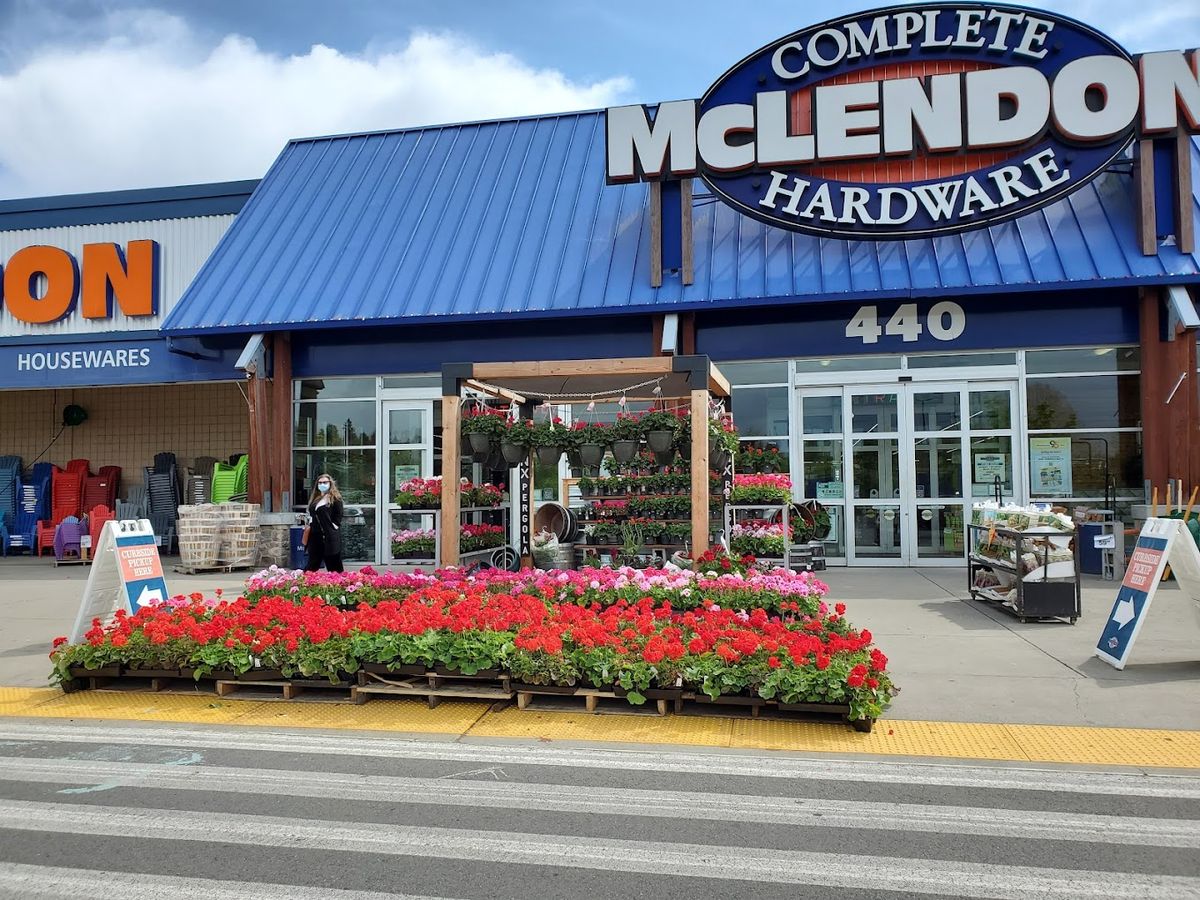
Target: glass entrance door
point(914, 457)
point(408, 453)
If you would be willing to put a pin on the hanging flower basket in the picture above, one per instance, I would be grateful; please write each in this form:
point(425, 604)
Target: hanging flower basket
point(664, 457)
point(496, 461)
point(513, 454)
point(624, 451)
point(480, 442)
point(591, 455)
point(660, 441)
point(548, 456)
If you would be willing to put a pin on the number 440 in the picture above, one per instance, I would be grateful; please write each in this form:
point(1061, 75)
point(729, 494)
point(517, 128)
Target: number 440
point(945, 321)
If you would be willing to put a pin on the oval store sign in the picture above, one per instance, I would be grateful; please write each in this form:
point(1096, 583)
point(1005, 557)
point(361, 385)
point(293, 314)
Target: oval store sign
point(910, 122)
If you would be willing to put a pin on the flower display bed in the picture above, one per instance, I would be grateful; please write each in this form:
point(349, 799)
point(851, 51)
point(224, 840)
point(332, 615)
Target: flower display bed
point(726, 633)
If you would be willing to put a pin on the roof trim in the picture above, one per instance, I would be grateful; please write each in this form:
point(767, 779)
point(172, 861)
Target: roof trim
point(686, 306)
point(138, 205)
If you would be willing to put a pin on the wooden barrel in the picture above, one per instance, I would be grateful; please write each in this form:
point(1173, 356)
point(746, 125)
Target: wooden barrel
point(559, 520)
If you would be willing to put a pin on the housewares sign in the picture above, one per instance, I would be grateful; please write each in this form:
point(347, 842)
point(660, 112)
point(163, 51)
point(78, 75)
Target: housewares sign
point(911, 121)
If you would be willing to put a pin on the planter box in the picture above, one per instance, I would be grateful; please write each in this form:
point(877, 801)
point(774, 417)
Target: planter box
point(215, 674)
point(151, 673)
point(103, 672)
point(653, 693)
point(392, 669)
point(261, 675)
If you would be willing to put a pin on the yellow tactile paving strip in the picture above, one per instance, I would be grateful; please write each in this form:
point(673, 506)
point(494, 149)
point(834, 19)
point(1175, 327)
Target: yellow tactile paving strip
point(1146, 748)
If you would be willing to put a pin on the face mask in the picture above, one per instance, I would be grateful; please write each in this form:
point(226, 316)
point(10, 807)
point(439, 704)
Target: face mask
point(323, 487)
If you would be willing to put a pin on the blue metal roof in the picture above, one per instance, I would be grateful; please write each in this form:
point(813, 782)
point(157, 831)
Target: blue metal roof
point(506, 218)
point(139, 205)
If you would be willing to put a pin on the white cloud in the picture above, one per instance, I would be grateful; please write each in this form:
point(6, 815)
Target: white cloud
point(149, 104)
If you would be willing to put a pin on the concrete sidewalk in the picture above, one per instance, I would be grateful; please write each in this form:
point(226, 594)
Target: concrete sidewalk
point(955, 660)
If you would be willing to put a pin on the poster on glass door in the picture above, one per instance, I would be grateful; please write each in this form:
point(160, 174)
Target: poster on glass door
point(1050, 465)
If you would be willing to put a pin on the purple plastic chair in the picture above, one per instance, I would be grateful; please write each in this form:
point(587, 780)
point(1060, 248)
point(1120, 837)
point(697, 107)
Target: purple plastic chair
point(66, 538)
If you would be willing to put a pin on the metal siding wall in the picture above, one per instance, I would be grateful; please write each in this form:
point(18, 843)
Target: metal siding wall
point(184, 245)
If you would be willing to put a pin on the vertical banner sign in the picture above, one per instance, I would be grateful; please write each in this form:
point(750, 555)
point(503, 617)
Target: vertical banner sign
point(1162, 541)
point(126, 574)
point(525, 479)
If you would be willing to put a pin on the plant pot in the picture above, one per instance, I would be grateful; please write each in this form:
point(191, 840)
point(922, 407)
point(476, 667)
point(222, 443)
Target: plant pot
point(664, 457)
point(548, 456)
point(496, 461)
point(624, 451)
point(513, 454)
point(660, 441)
point(479, 442)
point(480, 456)
point(585, 491)
point(591, 454)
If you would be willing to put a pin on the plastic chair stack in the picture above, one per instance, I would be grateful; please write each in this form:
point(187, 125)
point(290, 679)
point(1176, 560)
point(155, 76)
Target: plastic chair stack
point(229, 481)
point(10, 472)
point(112, 475)
point(66, 500)
point(162, 490)
point(31, 509)
point(95, 491)
point(82, 466)
point(134, 507)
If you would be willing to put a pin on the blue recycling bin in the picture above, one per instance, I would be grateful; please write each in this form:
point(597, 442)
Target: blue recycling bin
point(298, 555)
point(1091, 559)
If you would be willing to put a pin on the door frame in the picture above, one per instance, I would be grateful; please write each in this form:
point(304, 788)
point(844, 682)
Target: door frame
point(909, 506)
point(385, 489)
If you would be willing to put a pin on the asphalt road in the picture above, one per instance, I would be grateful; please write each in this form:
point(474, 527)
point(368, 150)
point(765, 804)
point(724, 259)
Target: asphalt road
point(116, 811)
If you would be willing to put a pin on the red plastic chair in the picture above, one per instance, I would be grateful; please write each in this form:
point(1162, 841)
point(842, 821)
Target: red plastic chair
point(66, 499)
point(112, 474)
point(83, 466)
point(96, 519)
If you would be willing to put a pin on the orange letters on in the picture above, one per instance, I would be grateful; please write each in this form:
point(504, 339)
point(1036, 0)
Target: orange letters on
point(128, 277)
point(62, 284)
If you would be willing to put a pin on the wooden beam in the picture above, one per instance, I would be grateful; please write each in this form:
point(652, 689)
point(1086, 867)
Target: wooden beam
point(259, 449)
point(281, 431)
point(717, 382)
point(451, 464)
point(492, 391)
point(656, 234)
point(1147, 221)
point(687, 232)
point(700, 514)
point(571, 367)
point(1185, 220)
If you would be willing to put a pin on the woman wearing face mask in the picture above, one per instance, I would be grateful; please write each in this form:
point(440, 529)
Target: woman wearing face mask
point(325, 526)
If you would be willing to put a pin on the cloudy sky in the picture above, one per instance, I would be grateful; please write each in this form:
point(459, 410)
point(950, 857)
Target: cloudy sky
point(107, 94)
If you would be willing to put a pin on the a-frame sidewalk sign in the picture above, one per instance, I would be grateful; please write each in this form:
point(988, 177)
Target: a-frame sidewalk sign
point(126, 574)
point(1161, 542)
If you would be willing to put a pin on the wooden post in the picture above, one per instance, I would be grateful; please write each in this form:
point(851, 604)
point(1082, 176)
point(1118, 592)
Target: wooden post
point(281, 431)
point(656, 233)
point(1147, 216)
point(688, 233)
point(1185, 222)
point(451, 465)
point(259, 449)
point(700, 513)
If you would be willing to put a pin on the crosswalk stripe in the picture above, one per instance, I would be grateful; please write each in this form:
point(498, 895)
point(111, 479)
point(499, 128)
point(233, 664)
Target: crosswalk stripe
point(925, 876)
point(851, 814)
point(776, 765)
point(26, 882)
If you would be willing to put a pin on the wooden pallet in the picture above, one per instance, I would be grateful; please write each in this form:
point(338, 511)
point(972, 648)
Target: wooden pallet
point(591, 697)
point(287, 689)
point(432, 686)
point(210, 570)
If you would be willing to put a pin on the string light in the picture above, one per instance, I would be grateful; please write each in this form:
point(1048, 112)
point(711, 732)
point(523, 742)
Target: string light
point(592, 396)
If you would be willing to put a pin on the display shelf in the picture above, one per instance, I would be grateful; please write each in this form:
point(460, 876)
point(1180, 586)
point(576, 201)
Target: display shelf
point(434, 559)
point(1050, 590)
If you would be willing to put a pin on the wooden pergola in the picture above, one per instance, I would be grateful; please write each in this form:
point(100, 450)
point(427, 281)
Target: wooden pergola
point(578, 381)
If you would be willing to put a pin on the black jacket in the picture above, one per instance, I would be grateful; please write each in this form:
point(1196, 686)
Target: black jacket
point(326, 527)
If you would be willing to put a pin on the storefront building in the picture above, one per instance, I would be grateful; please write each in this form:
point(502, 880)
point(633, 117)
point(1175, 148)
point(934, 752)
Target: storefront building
point(87, 281)
point(1033, 336)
